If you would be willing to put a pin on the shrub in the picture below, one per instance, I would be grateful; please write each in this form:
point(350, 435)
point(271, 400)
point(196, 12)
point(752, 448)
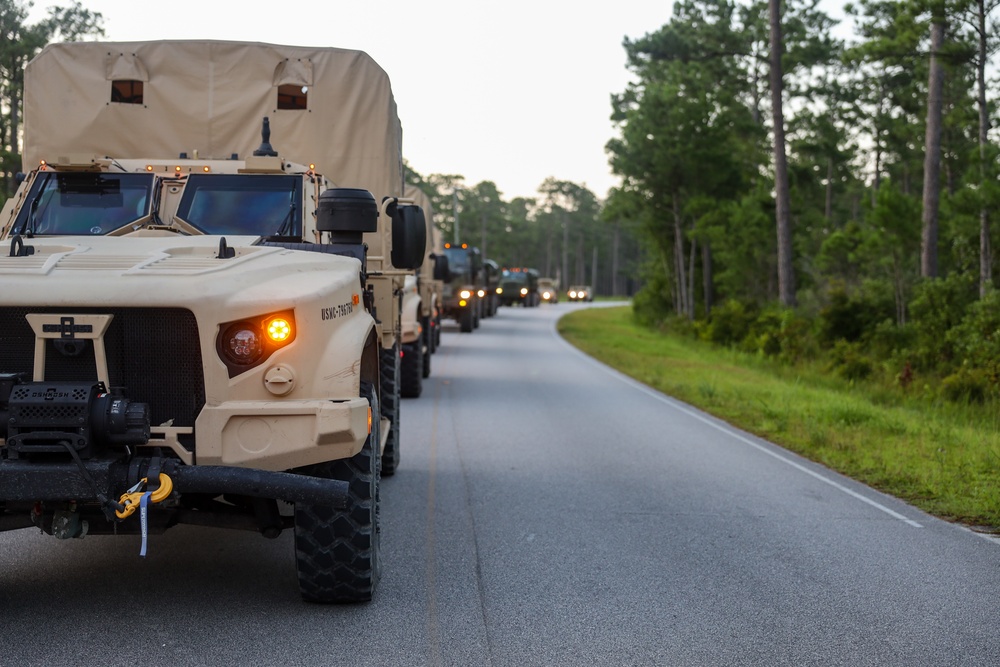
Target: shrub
point(852, 317)
point(976, 340)
point(966, 385)
point(938, 306)
point(729, 323)
point(780, 332)
point(849, 362)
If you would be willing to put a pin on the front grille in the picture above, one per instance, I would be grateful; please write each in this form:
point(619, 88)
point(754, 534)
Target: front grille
point(152, 352)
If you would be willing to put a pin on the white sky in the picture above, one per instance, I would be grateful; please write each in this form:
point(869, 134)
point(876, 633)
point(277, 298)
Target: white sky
point(511, 92)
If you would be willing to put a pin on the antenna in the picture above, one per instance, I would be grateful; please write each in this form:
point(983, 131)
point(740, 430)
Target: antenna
point(265, 149)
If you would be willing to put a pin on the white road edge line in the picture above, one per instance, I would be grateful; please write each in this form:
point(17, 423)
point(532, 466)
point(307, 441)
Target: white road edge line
point(689, 412)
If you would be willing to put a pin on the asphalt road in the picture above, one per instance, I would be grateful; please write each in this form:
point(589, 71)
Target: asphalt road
point(547, 511)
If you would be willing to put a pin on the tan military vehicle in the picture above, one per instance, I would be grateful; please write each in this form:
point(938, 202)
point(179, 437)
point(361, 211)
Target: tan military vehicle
point(414, 353)
point(199, 326)
point(548, 289)
point(431, 276)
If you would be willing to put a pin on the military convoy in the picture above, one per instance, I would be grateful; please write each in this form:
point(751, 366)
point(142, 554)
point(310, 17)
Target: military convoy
point(217, 290)
point(202, 305)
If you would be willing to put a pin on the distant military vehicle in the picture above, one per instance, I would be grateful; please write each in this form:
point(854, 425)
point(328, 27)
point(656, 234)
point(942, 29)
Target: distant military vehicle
point(492, 274)
point(461, 300)
point(548, 290)
point(519, 285)
point(580, 293)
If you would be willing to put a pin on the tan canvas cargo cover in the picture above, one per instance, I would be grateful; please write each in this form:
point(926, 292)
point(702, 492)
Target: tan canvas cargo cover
point(208, 98)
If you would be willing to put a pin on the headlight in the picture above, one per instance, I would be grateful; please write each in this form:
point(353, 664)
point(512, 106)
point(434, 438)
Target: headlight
point(481, 293)
point(524, 291)
point(465, 294)
point(546, 295)
point(246, 343)
point(572, 294)
point(499, 290)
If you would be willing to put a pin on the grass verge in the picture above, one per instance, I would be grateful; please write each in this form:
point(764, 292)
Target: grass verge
point(941, 457)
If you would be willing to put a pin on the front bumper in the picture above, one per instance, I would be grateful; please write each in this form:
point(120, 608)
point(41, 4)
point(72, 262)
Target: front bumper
point(279, 435)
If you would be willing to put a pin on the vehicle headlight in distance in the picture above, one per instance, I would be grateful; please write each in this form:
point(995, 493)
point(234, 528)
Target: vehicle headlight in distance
point(465, 294)
point(572, 294)
point(244, 344)
point(524, 291)
point(499, 290)
point(546, 295)
point(481, 293)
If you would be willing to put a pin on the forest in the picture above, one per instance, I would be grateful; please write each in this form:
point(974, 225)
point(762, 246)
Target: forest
point(784, 191)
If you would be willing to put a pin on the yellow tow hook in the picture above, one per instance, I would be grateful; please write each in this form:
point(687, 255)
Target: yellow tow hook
point(131, 498)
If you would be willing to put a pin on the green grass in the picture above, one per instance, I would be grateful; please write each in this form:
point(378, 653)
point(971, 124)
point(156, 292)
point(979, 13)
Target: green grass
point(941, 457)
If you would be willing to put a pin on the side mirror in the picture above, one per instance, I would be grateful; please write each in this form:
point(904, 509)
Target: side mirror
point(441, 271)
point(409, 237)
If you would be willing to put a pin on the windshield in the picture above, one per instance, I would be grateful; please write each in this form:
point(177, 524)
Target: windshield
point(514, 278)
point(75, 203)
point(458, 259)
point(262, 205)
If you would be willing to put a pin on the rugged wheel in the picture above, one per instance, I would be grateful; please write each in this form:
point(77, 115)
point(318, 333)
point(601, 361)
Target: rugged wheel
point(428, 335)
point(425, 372)
point(337, 550)
point(390, 381)
point(466, 321)
point(411, 370)
point(477, 313)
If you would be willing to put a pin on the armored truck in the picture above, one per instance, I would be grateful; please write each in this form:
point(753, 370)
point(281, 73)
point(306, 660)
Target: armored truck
point(491, 281)
point(461, 294)
point(548, 290)
point(200, 326)
point(519, 285)
point(430, 278)
point(414, 352)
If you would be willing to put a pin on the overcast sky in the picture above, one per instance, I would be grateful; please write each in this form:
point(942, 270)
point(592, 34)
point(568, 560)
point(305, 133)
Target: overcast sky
point(511, 92)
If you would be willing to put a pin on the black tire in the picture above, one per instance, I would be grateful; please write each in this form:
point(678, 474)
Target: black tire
point(466, 322)
point(437, 331)
point(425, 371)
point(428, 335)
point(411, 370)
point(337, 550)
point(477, 313)
point(389, 400)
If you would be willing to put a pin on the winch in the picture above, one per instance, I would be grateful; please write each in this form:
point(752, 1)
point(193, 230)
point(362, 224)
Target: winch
point(47, 418)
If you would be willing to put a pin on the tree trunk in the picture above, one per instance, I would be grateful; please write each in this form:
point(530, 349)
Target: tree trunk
point(878, 142)
point(564, 271)
point(690, 296)
point(615, 244)
point(985, 252)
point(679, 258)
point(932, 148)
point(828, 207)
point(706, 277)
point(593, 272)
point(786, 276)
point(482, 244)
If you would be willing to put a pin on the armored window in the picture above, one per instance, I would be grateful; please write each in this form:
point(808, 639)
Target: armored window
point(253, 204)
point(85, 203)
point(293, 96)
point(126, 91)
